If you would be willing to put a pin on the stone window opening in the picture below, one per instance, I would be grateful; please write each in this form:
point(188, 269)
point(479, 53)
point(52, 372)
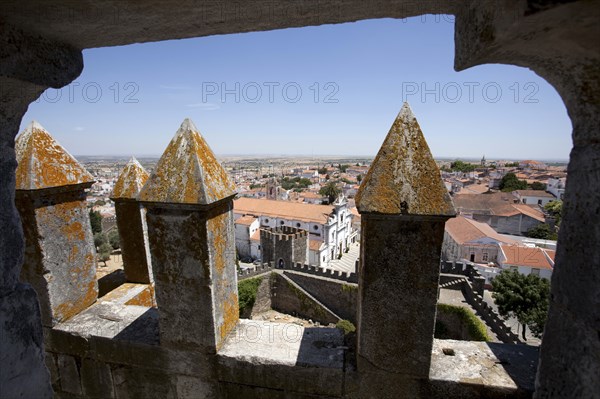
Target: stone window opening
point(582, 134)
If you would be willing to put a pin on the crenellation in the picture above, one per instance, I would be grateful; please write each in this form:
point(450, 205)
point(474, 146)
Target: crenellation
point(131, 223)
point(189, 345)
point(60, 256)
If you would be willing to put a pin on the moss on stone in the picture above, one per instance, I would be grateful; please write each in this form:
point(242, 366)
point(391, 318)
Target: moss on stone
point(475, 327)
point(349, 288)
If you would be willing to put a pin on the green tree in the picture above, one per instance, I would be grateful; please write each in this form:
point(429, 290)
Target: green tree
point(104, 252)
point(542, 231)
point(510, 182)
point(304, 182)
point(524, 297)
point(331, 191)
point(96, 221)
point(359, 178)
point(343, 168)
point(322, 171)
point(536, 185)
point(554, 208)
point(99, 239)
point(461, 166)
point(113, 239)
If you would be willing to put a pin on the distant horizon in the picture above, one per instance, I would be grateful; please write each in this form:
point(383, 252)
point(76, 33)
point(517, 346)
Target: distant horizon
point(325, 156)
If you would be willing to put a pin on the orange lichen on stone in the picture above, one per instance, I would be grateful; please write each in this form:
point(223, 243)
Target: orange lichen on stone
point(231, 315)
point(144, 298)
point(218, 228)
point(130, 181)
point(404, 178)
point(188, 172)
point(43, 163)
point(66, 310)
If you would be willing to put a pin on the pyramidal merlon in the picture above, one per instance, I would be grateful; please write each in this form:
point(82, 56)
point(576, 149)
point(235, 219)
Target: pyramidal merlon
point(404, 178)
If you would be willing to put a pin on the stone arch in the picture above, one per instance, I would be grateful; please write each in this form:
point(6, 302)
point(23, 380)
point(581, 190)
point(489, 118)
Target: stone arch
point(558, 40)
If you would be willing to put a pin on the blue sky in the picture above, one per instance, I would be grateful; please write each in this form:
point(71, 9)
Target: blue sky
point(328, 90)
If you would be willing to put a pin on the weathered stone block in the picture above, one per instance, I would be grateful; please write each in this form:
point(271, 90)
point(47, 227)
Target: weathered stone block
point(51, 365)
point(69, 374)
point(133, 246)
point(192, 388)
point(132, 383)
point(403, 326)
point(285, 357)
point(60, 257)
point(64, 342)
point(22, 372)
point(96, 379)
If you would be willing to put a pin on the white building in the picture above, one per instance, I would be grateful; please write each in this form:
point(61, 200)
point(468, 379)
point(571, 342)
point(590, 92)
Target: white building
point(247, 240)
point(468, 240)
point(330, 226)
point(527, 260)
point(556, 186)
point(533, 197)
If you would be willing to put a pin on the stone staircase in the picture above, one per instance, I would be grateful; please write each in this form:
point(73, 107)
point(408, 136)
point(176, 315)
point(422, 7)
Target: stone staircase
point(348, 261)
point(452, 283)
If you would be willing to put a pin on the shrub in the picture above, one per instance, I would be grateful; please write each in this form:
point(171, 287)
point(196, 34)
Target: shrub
point(346, 326)
point(247, 290)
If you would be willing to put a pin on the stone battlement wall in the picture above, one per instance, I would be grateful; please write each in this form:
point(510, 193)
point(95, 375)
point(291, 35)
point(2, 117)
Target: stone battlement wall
point(173, 329)
point(472, 288)
point(316, 271)
point(283, 233)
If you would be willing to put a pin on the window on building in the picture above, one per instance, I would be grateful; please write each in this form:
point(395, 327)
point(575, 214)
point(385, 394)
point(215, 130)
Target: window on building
point(485, 257)
point(535, 272)
point(316, 227)
point(539, 202)
point(514, 268)
point(282, 222)
point(298, 224)
point(266, 221)
point(524, 200)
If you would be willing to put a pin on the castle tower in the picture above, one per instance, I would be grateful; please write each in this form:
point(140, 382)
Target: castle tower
point(272, 189)
point(284, 246)
point(60, 257)
point(131, 221)
point(189, 202)
point(404, 206)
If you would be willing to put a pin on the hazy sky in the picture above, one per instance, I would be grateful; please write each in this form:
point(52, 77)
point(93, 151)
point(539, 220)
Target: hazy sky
point(332, 89)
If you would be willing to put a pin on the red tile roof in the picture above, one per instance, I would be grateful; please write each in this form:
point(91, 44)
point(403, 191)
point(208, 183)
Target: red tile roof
point(538, 258)
point(246, 220)
point(283, 209)
point(463, 230)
